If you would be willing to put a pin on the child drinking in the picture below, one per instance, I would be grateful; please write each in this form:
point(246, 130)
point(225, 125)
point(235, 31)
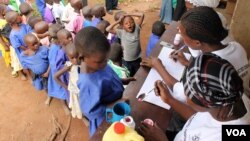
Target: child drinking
point(41, 29)
point(130, 40)
point(55, 62)
point(35, 58)
point(98, 83)
point(17, 33)
point(86, 12)
point(157, 30)
point(99, 12)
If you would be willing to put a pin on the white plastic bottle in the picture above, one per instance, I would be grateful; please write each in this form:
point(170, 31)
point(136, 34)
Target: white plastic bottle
point(128, 121)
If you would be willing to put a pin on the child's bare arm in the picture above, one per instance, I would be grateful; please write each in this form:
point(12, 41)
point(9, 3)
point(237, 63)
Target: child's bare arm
point(111, 29)
point(140, 15)
point(46, 74)
point(59, 73)
point(43, 35)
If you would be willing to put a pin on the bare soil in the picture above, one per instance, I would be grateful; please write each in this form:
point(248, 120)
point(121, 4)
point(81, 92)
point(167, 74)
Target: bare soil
point(25, 117)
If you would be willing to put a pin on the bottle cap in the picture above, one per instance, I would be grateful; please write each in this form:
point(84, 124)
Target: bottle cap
point(119, 128)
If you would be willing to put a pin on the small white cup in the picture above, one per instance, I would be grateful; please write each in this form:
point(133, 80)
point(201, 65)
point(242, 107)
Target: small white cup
point(177, 39)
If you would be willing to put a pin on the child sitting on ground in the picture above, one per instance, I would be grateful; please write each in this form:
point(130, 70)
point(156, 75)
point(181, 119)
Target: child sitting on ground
point(115, 62)
point(98, 83)
point(72, 68)
point(55, 62)
point(99, 12)
point(41, 29)
point(26, 11)
point(35, 58)
point(76, 20)
point(130, 40)
point(86, 12)
point(17, 33)
point(157, 30)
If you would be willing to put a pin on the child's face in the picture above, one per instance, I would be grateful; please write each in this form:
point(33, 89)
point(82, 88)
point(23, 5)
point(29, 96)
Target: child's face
point(33, 44)
point(96, 61)
point(73, 58)
point(63, 39)
point(129, 24)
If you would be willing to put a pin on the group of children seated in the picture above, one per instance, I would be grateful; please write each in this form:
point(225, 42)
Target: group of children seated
point(74, 54)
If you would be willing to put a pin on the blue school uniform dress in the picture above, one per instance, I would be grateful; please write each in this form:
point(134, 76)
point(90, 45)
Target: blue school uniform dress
point(38, 64)
point(96, 91)
point(151, 43)
point(95, 21)
point(57, 59)
point(16, 38)
point(86, 23)
point(40, 4)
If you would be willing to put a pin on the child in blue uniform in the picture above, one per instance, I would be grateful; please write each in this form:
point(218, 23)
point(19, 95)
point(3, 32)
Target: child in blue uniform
point(16, 35)
point(56, 61)
point(157, 30)
point(98, 83)
point(35, 58)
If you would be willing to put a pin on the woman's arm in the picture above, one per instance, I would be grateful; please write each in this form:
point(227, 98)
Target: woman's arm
point(59, 73)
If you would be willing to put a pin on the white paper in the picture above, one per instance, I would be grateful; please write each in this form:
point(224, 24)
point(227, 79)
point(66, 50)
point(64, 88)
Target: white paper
point(174, 68)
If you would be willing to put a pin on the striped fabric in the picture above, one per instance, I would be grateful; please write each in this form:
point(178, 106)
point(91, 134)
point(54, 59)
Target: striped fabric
point(212, 82)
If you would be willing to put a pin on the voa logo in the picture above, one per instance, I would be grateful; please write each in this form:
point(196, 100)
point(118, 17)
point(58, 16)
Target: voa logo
point(236, 132)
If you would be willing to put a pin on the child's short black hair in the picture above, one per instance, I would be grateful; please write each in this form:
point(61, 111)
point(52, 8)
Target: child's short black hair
point(102, 26)
point(90, 40)
point(70, 49)
point(29, 38)
point(158, 28)
point(2, 8)
point(98, 11)
point(116, 52)
point(65, 32)
point(33, 20)
point(118, 15)
point(41, 27)
point(25, 8)
point(11, 17)
point(203, 24)
point(53, 29)
point(86, 12)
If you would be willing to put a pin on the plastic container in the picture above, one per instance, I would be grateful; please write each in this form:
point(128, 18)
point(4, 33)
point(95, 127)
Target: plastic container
point(128, 121)
point(120, 132)
point(177, 39)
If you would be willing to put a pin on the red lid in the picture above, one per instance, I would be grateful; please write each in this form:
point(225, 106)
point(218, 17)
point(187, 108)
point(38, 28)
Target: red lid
point(119, 128)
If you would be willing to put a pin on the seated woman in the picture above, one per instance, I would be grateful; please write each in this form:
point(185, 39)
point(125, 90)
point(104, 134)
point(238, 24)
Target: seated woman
point(215, 97)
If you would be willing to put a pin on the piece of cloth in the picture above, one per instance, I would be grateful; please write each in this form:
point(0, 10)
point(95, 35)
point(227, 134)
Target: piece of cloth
point(95, 21)
point(15, 63)
point(179, 10)
point(57, 60)
point(208, 3)
point(48, 15)
point(122, 72)
point(38, 63)
point(211, 81)
point(86, 23)
point(74, 90)
point(98, 89)
point(5, 54)
point(166, 11)
point(111, 38)
point(111, 4)
point(130, 43)
point(203, 127)
point(132, 66)
point(153, 39)
point(57, 10)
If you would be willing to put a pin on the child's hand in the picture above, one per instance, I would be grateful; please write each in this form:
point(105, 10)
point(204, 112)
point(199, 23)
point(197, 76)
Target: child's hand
point(46, 75)
point(151, 62)
point(120, 19)
point(152, 133)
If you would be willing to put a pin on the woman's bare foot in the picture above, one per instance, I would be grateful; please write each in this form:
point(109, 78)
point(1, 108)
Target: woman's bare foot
point(48, 100)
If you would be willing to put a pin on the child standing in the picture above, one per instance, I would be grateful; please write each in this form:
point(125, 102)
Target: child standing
point(98, 83)
point(26, 11)
point(48, 15)
point(16, 35)
point(86, 12)
point(130, 40)
point(35, 58)
point(157, 30)
point(54, 89)
point(41, 30)
point(76, 20)
point(102, 27)
point(99, 12)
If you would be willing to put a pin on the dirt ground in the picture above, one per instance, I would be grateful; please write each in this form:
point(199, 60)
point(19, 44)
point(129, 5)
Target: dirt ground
point(25, 117)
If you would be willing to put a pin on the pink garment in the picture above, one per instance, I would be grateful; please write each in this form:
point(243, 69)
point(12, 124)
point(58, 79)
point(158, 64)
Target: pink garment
point(45, 41)
point(75, 23)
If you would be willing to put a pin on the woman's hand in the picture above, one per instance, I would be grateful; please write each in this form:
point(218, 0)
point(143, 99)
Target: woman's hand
point(162, 90)
point(180, 57)
point(152, 133)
